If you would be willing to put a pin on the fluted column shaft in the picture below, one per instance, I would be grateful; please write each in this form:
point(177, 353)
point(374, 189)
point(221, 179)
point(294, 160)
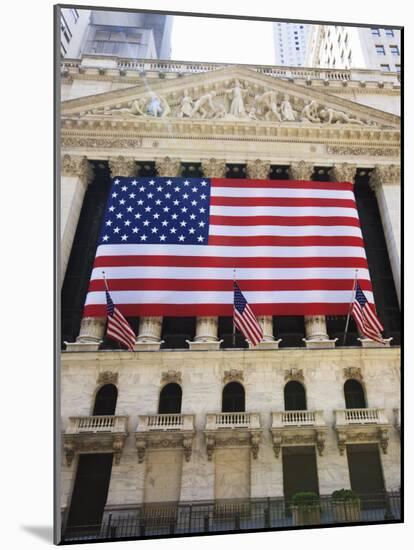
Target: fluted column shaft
point(150, 328)
point(92, 329)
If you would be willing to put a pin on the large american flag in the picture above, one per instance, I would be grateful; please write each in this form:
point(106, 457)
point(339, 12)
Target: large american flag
point(365, 317)
point(244, 318)
point(169, 247)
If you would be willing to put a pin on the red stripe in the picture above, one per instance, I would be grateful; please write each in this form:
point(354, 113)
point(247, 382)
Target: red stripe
point(224, 310)
point(373, 318)
point(117, 327)
point(243, 325)
point(264, 240)
point(282, 201)
point(284, 220)
point(281, 184)
point(214, 261)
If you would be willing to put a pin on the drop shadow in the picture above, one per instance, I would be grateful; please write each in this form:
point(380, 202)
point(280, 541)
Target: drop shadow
point(43, 532)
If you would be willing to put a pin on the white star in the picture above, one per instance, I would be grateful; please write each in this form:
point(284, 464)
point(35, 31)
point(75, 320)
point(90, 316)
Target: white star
point(176, 203)
point(124, 237)
point(173, 230)
point(184, 209)
point(134, 182)
point(142, 188)
point(154, 230)
point(176, 189)
point(162, 237)
point(129, 209)
point(146, 223)
point(159, 188)
point(158, 201)
point(122, 201)
point(119, 216)
point(111, 208)
point(137, 216)
point(150, 195)
point(132, 195)
point(202, 210)
point(168, 195)
point(127, 222)
point(156, 216)
point(140, 202)
point(194, 189)
point(164, 223)
point(116, 182)
point(148, 209)
point(152, 182)
point(200, 239)
point(108, 223)
point(124, 188)
point(186, 183)
point(117, 230)
point(192, 217)
point(203, 183)
point(174, 216)
point(194, 203)
point(114, 195)
point(201, 224)
point(166, 209)
point(181, 238)
point(203, 196)
point(185, 196)
point(191, 230)
point(169, 182)
point(183, 224)
point(135, 230)
point(105, 238)
point(143, 237)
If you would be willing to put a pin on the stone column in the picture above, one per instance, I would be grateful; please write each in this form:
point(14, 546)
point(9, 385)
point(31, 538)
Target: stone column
point(76, 174)
point(259, 170)
point(315, 325)
point(92, 329)
point(385, 182)
point(206, 337)
point(149, 332)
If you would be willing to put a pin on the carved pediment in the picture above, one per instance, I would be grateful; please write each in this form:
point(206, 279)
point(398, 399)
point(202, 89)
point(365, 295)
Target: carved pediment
point(230, 94)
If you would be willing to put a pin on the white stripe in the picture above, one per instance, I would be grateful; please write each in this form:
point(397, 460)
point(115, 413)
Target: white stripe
point(224, 297)
point(286, 231)
point(226, 273)
point(274, 192)
point(218, 210)
point(229, 251)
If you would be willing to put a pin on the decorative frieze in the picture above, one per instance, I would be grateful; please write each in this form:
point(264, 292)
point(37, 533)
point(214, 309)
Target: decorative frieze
point(103, 142)
point(107, 377)
point(168, 167)
point(363, 151)
point(77, 166)
point(121, 166)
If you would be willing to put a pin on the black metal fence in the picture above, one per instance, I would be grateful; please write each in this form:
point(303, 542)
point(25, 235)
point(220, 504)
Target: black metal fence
point(158, 519)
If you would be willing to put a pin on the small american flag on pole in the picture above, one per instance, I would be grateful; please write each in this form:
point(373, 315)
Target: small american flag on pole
point(363, 313)
point(118, 328)
point(244, 318)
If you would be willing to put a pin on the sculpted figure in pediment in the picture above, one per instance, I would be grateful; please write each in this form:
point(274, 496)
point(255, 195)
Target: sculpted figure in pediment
point(331, 116)
point(186, 106)
point(286, 109)
point(310, 112)
point(204, 106)
point(236, 93)
point(267, 106)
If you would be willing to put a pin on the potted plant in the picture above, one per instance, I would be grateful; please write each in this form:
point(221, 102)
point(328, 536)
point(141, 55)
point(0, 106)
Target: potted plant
point(346, 505)
point(306, 508)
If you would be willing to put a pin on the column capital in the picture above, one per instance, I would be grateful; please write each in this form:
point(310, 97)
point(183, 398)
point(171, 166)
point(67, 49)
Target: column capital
point(343, 172)
point(214, 168)
point(168, 167)
point(258, 169)
point(121, 166)
point(385, 174)
point(79, 166)
point(301, 170)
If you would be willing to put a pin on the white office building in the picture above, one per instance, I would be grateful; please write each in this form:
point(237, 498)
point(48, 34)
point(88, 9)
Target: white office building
point(290, 43)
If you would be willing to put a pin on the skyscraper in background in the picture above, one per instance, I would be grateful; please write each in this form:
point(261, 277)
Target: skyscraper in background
point(290, 43)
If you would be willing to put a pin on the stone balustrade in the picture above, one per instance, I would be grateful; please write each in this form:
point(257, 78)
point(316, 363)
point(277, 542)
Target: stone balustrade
point(157, 422)
point(297, 418)
point(361, 426)
point(217, 421)
point(96, 424)
point(360, 416)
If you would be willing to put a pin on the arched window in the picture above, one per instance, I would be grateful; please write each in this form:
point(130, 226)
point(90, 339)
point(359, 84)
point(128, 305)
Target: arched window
point(170, 399)
point(295, 397)
point(233, 398)
point(105, 400)
point(354, 395)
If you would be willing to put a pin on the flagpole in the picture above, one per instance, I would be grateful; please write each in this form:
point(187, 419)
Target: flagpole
point(234, 326)
point(350, 306)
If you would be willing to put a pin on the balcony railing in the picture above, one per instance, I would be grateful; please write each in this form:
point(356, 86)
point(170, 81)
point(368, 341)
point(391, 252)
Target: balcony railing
point(233, 420)
point(346, 417)
point(97, 424)
point(165, 422)
point(154, 519)
point(297, 418)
